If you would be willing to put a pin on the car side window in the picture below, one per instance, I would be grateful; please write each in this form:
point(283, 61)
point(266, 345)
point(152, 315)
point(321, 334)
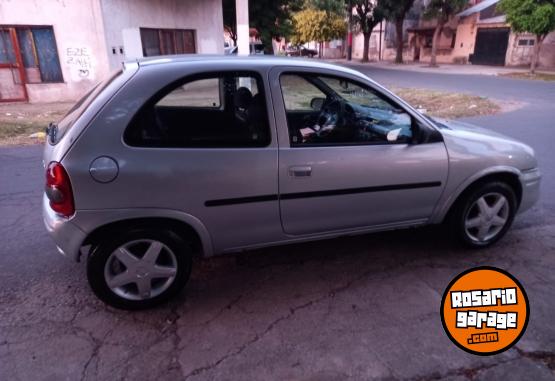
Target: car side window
point(212, 111)
point(298, 93)
point(201, 93)
point(342, 113)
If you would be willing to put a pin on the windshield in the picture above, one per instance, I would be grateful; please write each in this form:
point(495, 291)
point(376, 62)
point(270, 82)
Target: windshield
point(64, 125)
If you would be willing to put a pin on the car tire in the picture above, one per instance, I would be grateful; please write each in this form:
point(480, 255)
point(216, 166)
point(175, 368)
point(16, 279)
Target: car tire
point(483, 215)
point(139, 268)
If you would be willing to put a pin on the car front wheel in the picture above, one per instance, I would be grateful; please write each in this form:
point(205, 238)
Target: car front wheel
point(139, 268)
point(485, 214)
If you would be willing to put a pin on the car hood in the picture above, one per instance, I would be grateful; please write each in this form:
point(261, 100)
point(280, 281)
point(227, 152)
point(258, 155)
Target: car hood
point(467, 129)
point(467, 139)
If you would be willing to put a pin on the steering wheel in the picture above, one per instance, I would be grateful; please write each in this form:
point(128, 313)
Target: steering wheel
point(332, 112)
point(340, 116)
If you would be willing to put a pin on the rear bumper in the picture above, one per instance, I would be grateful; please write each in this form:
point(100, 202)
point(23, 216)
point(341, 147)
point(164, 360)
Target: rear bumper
point(530, 181)
point(66, 235)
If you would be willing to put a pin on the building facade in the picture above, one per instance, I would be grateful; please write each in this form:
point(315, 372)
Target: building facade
point(478, 35)
point(56, 50)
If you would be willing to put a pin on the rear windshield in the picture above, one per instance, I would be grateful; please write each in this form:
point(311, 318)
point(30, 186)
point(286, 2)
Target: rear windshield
point(79, 108)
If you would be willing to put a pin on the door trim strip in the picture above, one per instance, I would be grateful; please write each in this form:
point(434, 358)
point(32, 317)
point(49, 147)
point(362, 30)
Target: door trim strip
point(325, 193)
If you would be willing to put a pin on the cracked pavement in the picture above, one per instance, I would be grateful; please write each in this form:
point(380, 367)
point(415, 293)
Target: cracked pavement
point(363, 307)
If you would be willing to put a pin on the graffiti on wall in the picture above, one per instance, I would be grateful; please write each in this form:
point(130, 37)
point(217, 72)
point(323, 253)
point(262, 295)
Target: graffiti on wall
point(80, 61)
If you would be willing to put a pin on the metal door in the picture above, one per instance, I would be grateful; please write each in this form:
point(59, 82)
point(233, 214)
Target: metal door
point(491, 46)
point(12, 72)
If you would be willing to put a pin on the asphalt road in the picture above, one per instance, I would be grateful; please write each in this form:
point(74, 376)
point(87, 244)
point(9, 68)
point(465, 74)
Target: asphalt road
point(351, 308)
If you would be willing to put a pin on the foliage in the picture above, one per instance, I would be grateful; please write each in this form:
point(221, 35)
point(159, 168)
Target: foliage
point(442, 10)
point(367, 15)
point(272, 19)
point(395, 11)
point(317, 25)
point(533, 16)
point(330, 6)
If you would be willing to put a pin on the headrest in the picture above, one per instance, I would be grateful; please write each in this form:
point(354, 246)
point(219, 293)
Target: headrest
point(242, 98)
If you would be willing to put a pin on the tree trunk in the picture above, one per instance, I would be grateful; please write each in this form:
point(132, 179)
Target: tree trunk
point(366, 47)
point(399, 32)
point(267, 40)
point(536, 54)
point(268, 46)
point(435, 42)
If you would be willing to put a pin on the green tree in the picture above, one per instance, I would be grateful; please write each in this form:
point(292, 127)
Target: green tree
point(395, 11)
point(272, 19)
point(330, 6)
point(532, 16)
point(317, 25)
point(442, 11)
point(367, 14)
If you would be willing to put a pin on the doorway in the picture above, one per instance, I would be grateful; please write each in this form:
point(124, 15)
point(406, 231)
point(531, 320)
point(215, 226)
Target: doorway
point(12, 72)
point(491, 46)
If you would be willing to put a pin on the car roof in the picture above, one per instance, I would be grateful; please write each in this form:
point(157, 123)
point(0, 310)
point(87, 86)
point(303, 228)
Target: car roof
point(255, 60)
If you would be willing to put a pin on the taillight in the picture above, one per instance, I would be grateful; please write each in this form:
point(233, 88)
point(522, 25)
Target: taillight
point(58, 189)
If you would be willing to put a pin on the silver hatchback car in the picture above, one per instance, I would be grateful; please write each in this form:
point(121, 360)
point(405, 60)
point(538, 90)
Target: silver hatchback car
point(172, 157)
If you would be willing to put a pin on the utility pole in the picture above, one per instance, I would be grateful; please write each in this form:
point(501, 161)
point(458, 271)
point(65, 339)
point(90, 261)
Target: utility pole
point(242, 12)
point(350, 34)
point(380, 51)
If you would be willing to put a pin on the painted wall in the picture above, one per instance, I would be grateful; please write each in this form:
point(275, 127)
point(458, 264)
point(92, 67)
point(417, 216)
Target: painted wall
point(518, 55)
point(547, 52)
point(204, 16)
point(373, 49)
point(86, 31)
point(79, 34)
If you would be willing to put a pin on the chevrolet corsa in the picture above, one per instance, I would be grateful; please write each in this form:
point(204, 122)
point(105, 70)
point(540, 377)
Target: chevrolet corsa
point(174, 157)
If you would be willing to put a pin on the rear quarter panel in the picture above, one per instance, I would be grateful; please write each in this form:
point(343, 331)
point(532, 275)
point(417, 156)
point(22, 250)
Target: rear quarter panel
point(175, 182)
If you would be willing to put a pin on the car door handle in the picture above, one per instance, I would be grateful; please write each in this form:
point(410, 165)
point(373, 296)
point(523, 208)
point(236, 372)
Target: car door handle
point(300, 171)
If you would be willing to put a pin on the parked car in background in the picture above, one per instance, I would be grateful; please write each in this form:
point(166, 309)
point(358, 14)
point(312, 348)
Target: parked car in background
point(188, 156)
point(300, 51)
point(254, 48)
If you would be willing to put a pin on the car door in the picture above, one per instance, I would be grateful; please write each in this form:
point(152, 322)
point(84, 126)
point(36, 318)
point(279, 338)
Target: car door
point(356, 167)
point(205, 145)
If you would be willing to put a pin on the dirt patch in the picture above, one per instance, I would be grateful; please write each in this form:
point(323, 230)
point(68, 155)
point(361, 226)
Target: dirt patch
point(451, 105)
point(534, 77)
point(20, 120)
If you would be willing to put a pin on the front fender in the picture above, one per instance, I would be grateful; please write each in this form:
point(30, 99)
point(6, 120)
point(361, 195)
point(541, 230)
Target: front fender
point(451, 195)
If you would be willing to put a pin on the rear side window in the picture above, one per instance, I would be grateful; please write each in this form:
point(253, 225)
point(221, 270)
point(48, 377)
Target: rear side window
point(211, 111)
point(79, 108)
point(201, 93)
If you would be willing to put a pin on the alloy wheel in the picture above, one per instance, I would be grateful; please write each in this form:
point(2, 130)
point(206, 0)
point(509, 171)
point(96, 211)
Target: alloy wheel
point(487, 217)
point(140, 269)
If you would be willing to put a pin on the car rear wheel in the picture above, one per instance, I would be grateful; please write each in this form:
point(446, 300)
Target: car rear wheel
point(482, 217)
point(139, 269)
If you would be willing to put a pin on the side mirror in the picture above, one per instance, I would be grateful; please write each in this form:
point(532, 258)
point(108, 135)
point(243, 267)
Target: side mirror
point(397, 135)
point(393, 135)
point(415, 131)
point(317, 103)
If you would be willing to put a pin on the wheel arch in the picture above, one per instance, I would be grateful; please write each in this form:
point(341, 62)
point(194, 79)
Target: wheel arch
point(510, 176)
point(199, 239)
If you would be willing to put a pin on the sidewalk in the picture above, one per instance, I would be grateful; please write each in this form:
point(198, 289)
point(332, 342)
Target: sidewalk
point(441, 69)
